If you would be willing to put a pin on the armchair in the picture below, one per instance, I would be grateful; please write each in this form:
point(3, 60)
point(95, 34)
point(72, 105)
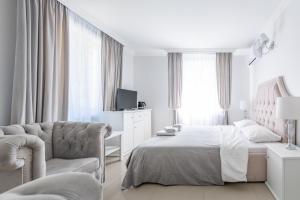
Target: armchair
point(28, 152)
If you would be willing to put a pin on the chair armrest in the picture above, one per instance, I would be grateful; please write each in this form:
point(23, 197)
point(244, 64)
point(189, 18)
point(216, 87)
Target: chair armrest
point(10, 146)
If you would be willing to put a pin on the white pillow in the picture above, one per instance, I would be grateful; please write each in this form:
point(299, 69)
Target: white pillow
point(256, 133)
point(244, 123)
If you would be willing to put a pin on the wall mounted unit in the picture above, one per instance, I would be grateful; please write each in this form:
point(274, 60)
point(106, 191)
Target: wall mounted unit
point(261, 46)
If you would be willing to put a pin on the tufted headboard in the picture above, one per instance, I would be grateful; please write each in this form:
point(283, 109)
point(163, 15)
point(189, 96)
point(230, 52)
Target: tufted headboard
point(264, 106)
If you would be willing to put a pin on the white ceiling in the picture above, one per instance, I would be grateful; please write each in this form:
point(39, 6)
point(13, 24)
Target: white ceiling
point(178, 24)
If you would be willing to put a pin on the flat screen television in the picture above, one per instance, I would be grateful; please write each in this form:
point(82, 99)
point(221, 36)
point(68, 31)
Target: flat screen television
point(126, 99)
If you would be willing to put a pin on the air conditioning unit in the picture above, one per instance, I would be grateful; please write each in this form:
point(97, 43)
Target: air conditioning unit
point(261, 47)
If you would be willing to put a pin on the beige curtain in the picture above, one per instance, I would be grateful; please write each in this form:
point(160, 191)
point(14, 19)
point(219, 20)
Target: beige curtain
point(111, 63)
point(175, 83)
point(223, 66)
point(40, 86)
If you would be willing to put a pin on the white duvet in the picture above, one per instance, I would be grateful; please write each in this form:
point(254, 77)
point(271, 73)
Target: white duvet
point(233, 154)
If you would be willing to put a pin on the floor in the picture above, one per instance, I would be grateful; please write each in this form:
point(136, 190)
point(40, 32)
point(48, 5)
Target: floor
point(241, 191)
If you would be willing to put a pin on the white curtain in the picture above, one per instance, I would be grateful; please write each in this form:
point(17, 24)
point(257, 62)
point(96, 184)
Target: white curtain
point(112, 63)
point(175, 83)
point(200, 105)
point(40, 85)
point(223, 70)
point(85, 93)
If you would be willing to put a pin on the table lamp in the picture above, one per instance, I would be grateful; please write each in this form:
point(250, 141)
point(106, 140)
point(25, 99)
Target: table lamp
point(244, 107)
point(288, 108)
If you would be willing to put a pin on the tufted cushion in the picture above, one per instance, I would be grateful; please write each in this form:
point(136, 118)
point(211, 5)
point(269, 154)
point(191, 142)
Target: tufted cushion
point(87, 165)
point(77, 140)
point(264, 106)
point(43, 131)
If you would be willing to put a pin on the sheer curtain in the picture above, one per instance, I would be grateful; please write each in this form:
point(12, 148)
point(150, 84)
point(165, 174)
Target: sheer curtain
point(85, 92)
point(200, 105)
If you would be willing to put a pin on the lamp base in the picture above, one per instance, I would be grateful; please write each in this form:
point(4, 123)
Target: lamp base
point(291, 147)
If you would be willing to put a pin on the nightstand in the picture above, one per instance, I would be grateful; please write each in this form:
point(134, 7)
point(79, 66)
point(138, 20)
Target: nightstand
point(283, 172)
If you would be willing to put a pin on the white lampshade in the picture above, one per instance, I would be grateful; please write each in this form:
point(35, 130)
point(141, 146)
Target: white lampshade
point(288, 108)
point(244, 105)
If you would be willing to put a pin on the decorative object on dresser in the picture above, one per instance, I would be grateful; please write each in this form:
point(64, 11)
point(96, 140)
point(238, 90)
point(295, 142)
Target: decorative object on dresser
point(135, 125)
point(244, 106)
point(288, 108)
point(141, 105)
point(283, 171)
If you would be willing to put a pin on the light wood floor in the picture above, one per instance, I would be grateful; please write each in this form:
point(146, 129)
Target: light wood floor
point(241, 191)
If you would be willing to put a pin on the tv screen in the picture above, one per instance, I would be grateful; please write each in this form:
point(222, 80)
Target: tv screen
point(126, 99)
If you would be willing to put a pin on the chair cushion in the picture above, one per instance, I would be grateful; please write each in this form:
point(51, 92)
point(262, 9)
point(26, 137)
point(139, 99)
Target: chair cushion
point(88, 165)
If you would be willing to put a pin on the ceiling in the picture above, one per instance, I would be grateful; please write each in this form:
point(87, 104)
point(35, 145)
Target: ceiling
point(178, 24)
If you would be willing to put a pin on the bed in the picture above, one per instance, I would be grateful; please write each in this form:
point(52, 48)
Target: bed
point(209, 155)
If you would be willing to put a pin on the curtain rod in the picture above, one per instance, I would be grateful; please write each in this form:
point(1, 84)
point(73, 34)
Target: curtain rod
point(200, 50)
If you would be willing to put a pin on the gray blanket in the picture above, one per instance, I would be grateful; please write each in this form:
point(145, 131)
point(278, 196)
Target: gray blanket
point(192, 157)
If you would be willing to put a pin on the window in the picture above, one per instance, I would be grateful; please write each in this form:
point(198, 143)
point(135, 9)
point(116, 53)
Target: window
point(199, 91)
point(85, 92)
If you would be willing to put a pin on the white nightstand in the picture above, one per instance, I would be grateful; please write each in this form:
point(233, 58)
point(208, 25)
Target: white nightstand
point(283, 172)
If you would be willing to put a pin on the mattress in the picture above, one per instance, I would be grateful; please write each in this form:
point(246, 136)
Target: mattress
point(257, 162)
point(256, 147)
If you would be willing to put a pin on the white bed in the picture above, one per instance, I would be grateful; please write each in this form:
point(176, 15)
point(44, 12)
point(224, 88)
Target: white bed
point(235, 162)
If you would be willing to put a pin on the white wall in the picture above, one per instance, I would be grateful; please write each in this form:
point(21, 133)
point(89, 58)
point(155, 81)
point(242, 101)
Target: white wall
point(240, 86)
point(284, 59)
point(151, 81)
point(127, 73)
point(8, 13)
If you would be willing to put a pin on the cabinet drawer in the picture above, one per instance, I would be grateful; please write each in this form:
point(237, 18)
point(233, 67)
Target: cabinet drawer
point(138, 117)
point(275, 174)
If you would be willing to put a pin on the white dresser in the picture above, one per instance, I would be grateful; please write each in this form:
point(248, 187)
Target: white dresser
point(135, 125)
point(283, 172)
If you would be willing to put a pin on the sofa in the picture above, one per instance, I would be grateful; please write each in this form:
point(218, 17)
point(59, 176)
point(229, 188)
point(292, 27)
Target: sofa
point(57, 187)
point(31, 151)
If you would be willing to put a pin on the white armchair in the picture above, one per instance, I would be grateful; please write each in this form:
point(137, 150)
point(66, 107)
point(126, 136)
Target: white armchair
point(28, 152)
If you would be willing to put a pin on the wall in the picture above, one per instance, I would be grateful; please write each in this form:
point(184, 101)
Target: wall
point(240, 86)
point(151, 82)
point(284, 59)
point(8, 13)
point(127, 73)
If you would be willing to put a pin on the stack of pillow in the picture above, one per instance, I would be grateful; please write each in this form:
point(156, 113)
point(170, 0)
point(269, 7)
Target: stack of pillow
point(168, 131)
point(255, 132)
